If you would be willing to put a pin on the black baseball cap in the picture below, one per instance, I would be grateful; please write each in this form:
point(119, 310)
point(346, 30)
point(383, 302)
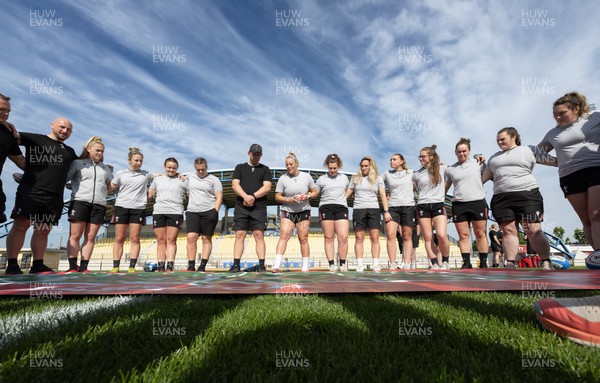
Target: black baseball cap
point(256, 148)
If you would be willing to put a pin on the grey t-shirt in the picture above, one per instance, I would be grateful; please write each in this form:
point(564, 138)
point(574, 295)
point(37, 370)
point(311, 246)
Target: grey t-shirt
point(365, 193)
point(202, 192)
point(133, 187)
point(400, 187)
point(290, 186)
point(333, 189)
point(512, 170)
point(577, 146)
point(426, 190)
point(169, 193)
point(466, 179)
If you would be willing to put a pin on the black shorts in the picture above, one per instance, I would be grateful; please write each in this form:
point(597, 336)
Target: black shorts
point(580, 181)
point(296, 217)
point(167, 220)
point(126, 216)
point(430, 210)
point(333, 212)
point(470, 211)
point(252, 218)
point(403, 215)
point(365, 219)
point(203, 223)
point(496, 248)
point(40, 210)
point(521, 206)
point(80, 211)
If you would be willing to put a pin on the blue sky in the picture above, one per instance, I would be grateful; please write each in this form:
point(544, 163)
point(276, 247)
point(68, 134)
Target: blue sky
point(188, 79)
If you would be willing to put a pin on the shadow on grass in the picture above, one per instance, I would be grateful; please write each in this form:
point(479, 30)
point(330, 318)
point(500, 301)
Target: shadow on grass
point(105, 344)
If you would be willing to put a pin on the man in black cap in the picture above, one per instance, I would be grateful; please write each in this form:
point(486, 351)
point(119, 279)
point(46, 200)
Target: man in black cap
point(251, 181)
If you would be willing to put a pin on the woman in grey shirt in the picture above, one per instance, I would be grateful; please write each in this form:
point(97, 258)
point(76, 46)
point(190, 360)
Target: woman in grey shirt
point(576, 139)
point(333, 211)
point(293, 191)
point(366, 186)
point(517, 199)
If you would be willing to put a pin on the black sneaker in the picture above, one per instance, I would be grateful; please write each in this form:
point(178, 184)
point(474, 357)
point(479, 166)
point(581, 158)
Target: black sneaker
point(234, 269)
point(483, 265)
point(3, 218)
point(202, 268)
point(190, 269)
point(13, 270)
point(170, 268)
point(466, 266)
point(161, 269)
point(40, 269)
point(261, 269)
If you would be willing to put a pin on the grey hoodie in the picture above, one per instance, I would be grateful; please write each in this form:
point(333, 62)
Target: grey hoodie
point(89, 181)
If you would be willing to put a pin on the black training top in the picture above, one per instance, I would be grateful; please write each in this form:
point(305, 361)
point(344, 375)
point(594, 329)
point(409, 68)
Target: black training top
point(8, 146)
point(47, 165)
point(251, 179)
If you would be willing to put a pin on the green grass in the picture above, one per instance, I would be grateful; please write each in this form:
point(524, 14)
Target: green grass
point(289, 338)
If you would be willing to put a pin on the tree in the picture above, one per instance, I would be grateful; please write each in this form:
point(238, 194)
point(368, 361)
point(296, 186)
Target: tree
point(559, 232)
point(579, 236)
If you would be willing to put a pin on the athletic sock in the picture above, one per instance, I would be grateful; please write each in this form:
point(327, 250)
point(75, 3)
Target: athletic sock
point(445, 259)
point(161, 265)
point(466, 257)
point(277, 262)
point(304, 263)
point(203, 262)
point(13, 262)
point(84, 265)
point(331, 262)
point(434, 261)
point(37, 263)
point(359, 261)
point(132, 262)
point(261, 262)
point(116, 263)
point(191, 264)
point(170, 265)
point(342, 262)
point(236, 262)
point(72, 263)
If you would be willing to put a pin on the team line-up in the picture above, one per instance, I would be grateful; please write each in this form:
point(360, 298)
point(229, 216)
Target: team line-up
point(49, 164)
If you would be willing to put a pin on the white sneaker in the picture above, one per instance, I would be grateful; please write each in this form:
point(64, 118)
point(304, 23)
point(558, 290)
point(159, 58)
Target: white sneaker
point(360, 268)
point(445, 266)
point(510, 266)
point(413, 266)
point(377, 267)
point(435, 267)
point(304, 270)
point(333, 269)
point(393, 266)
point(344, 267)
point(547, 265)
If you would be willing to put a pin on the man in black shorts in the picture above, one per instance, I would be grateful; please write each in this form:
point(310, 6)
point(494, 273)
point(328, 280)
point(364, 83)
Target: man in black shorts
point(9, 148)
point(251, 181)
point(40, 193)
